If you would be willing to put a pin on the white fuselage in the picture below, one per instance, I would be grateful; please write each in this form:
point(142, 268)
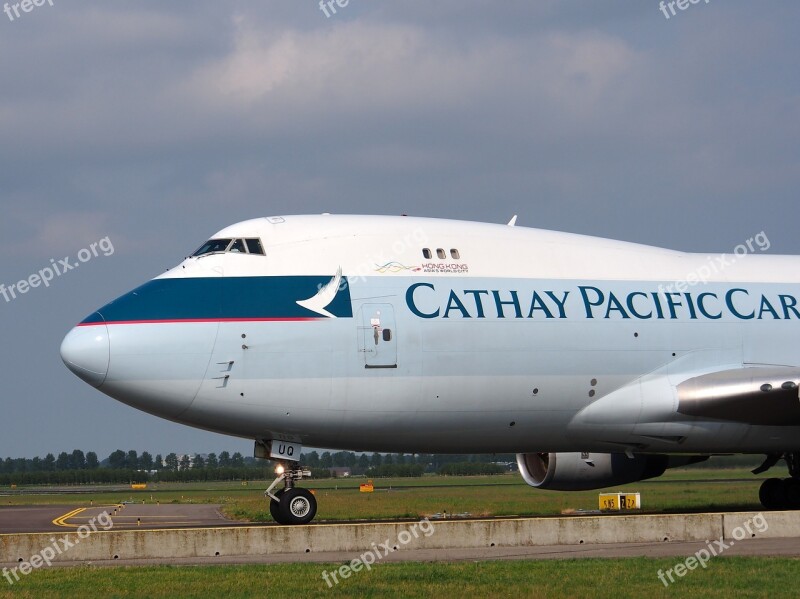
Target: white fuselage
point(421, 335)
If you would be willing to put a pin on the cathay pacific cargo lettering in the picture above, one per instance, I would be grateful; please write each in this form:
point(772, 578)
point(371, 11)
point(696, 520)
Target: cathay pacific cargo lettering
point(596, 303)
point(585, 356)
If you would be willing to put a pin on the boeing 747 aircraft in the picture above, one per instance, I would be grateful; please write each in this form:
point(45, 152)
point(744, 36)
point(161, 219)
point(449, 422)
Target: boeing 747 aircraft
point(597, 362)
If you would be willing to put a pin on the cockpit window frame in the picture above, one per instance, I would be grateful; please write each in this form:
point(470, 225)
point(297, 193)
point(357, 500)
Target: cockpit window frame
point(247, 245)
point(197, 253)
point(256, 240)
point(237, 243)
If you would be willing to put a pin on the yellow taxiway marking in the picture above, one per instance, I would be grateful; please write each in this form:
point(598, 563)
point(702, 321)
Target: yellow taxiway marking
point(61, 520)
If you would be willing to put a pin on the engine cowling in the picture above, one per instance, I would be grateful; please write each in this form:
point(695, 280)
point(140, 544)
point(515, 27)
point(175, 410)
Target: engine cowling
point(587, 471)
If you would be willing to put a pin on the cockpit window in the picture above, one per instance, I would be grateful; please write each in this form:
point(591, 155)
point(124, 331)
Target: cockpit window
point(213, 246)
point(254, 246)
point(237, 247)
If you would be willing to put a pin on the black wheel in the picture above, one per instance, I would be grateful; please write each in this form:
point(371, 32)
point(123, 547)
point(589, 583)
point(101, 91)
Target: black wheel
point(773, 494)
point(791, 487)
point(274, 507)
point(298, 506)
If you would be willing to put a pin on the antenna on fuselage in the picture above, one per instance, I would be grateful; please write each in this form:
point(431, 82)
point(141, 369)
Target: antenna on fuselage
point(513, 221)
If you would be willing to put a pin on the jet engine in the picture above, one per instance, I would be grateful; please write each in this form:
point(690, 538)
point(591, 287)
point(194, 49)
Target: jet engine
point(586, 471)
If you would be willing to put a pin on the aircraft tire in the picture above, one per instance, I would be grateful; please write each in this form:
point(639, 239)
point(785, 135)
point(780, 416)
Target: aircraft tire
point(792, 491)
point(773, 494)
point(274, 507)
point(297, 506)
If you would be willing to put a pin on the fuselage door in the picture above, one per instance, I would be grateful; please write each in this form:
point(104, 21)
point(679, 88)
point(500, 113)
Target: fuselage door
point(377, 336)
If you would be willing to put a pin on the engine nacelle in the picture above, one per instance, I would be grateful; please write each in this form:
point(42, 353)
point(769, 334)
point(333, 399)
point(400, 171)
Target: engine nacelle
point(586, 471)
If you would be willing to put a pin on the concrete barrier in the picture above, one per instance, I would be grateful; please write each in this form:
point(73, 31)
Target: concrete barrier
point(358, 538)
point(763, 525)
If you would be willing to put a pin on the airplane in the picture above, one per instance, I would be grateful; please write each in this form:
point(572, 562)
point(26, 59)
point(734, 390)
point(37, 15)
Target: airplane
point(598, 362)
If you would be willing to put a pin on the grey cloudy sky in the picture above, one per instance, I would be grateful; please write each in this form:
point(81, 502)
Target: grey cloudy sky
point(156, 124)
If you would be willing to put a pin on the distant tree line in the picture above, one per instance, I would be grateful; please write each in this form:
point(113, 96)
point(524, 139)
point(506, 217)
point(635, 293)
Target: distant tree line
point(76, 460)
point(122, 460)
point(124, 467)
point(471, 469)
point(368, 464)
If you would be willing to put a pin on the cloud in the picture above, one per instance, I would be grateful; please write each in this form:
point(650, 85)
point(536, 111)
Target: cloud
point(54, 234)
point(360, 68)
point(158, 125)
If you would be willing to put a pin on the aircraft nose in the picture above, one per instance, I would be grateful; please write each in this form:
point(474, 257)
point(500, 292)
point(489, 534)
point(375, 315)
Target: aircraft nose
point(86, 352)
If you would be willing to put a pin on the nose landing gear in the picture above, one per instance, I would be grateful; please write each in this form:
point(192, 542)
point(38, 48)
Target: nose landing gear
point(291, 505)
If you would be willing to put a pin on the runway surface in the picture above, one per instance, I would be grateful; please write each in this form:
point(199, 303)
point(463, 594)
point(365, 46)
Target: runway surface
point(54, 518)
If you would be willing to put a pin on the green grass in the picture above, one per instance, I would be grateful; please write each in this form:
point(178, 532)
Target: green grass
point(509, 495)
point(502, 495)
point(618, 578)
point(684, 490)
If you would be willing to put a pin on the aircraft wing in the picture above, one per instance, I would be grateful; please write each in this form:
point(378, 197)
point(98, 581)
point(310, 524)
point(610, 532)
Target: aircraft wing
point(765, 395)
point(663, 410)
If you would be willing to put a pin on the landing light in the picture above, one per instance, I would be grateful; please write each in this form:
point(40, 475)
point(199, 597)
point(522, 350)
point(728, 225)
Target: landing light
point(279, 469)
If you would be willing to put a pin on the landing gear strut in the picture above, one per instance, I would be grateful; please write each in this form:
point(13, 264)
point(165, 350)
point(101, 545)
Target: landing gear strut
point(783, 494)
point(291, 505)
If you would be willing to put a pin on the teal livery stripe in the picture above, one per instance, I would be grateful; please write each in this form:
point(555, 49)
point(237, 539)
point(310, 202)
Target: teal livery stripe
point(222, 299)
